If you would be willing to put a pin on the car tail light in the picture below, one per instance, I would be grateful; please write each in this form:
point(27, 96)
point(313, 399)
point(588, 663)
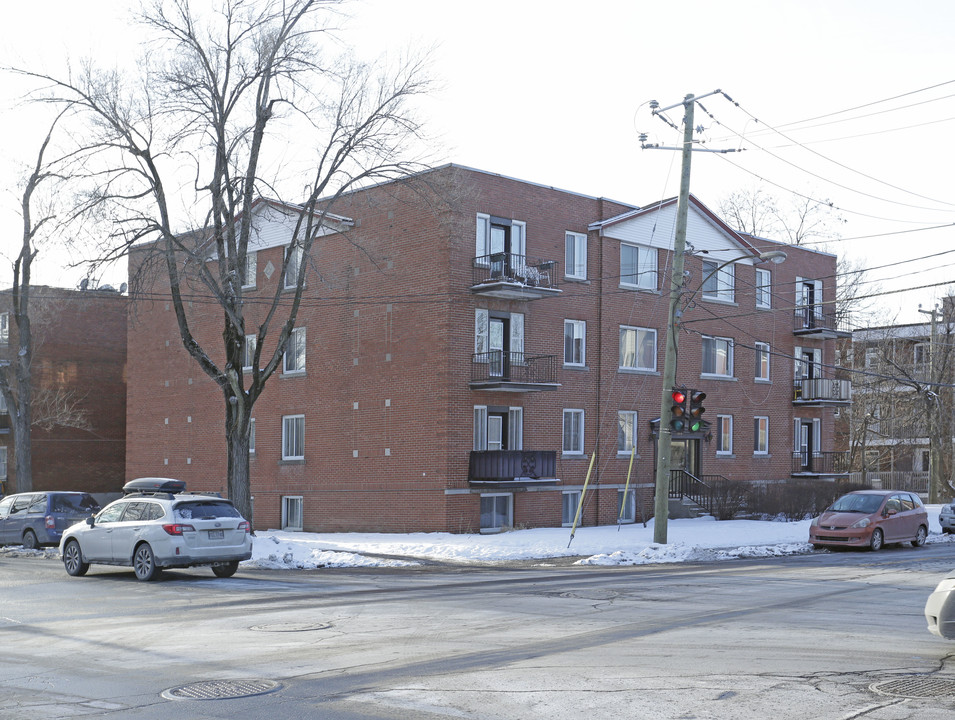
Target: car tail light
point(244, 525)
point(50, 522)
point(178, 528)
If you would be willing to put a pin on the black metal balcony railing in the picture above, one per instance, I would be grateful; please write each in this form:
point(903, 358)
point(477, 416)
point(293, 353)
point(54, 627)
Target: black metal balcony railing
point(822, 390)
point(511, 465)
point(513, 367)
point(820, 463)
point(516, 269)
point(814, 319)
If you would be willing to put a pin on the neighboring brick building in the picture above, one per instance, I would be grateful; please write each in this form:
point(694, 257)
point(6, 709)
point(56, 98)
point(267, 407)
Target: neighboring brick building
point(467, 342)
point(79, 361)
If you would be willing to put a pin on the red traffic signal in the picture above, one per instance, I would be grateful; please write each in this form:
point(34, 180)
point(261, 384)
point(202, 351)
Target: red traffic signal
point(678, 410)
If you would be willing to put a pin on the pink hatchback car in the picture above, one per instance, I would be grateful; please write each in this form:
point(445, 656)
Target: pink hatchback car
point(870, 519)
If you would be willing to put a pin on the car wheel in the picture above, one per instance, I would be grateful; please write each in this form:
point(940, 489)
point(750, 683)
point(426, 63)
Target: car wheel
point(29, 540)
point(226, 569)
point(920, 536)
point(73, 559)
point(875, 542)
point(144, 563)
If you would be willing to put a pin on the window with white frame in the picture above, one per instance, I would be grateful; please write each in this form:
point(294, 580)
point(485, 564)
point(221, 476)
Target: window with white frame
point(762, 361)
point(872, 357)
point(498, 428)
point(294, 361)
point(764, 288)
point(496, 235)
point(626, 431)
point(497, 512)
point(569, 500)
point(293, 437)
point(573, 432)
point(292, 513)
point(294, 263)
point(4, 328)
point(717, 356)
point(249, 270)
point(724, 434)
point(3, 463)
point(498, 339)
point(719, 283)
point(575, 342)
point(760, 435)
point(638, 266)
point(252, 436)
point(626, 506)
point(638, 348)
point(575, 255)
point(248, 351)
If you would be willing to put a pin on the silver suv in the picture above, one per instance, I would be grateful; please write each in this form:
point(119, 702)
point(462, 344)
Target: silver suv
point(161, 527)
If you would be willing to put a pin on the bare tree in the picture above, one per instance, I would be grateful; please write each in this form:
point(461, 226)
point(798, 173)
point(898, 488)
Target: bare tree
point(222, 95)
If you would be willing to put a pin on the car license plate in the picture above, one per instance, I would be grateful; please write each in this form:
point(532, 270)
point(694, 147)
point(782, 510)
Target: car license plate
point(216, 534)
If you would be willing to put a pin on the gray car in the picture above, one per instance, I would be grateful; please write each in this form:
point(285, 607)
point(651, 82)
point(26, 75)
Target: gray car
point(946, 517)
point(34, 519)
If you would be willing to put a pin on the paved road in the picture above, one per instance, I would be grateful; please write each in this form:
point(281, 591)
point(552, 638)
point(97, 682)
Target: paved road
point(827, 636)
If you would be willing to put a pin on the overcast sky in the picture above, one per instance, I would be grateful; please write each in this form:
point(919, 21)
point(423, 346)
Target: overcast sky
point(849, 101)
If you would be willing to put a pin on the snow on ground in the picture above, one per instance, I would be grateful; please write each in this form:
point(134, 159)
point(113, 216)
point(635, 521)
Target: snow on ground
point(688, 540)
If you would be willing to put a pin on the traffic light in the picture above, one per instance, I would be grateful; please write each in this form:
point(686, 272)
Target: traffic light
point(678, 410)
point(695, 409)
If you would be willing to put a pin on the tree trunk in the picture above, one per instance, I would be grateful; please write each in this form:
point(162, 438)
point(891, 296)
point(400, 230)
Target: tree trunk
point(237, 442)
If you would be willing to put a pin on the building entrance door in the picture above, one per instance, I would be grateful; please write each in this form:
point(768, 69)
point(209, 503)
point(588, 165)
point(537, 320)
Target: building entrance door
point(685, 455)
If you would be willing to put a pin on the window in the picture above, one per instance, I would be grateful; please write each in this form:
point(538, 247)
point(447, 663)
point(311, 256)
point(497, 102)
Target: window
point(4, 328)
point(3, 404)
point(638, 348)
point(763, 288)
point(724, 434)
point(573, 443)
point(761, 436)
point(252, 436)
point(293, 437)
point(248, 351)
point(248, 272)
point(294, 263)
point(719, 283)
point(718, 356)
point(638, 266)
point(871, 357)
point(498, 235)
point(575, 255)
point(498, 428)
point(3, 463)
point(626, 506)
point(626, 431)
point(762, 361)
point(570, 500)
point(920, 354)
point(575, 337)
point(292, 513)
point(497, 512)
point(295, 352)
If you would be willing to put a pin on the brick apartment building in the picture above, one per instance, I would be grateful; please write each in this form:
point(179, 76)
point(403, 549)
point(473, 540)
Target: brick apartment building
point(467, 341)
point(79, 363)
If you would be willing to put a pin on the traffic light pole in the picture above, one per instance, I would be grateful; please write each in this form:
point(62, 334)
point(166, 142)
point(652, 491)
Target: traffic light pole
point(662, 499)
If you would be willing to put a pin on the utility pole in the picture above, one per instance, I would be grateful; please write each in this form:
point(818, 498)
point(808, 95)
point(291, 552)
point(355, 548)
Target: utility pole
point(932, 408)
point(661, 509)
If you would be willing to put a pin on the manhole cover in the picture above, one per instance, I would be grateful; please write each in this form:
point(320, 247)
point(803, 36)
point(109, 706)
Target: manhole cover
point(221, 689)
point(291, 627)
point(915, 687)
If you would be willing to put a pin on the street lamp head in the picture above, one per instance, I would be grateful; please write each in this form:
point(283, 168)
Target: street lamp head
point(774, 256)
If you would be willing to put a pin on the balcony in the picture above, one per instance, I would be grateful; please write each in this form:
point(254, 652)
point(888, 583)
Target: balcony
point(821, 392)
point(813, 321)
point(514, 277)
point(831, 464)
point(498, 467)
point(513, 372)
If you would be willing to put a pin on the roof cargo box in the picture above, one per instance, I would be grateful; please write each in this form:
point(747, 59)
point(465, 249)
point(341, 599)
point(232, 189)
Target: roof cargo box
point(154, 485)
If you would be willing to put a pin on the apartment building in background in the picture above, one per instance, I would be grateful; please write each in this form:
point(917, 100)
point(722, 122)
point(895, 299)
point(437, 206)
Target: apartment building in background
point(79, 389)
point(472, 349)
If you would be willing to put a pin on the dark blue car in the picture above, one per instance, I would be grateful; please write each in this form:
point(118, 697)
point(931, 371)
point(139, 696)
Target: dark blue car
point(35, 519)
